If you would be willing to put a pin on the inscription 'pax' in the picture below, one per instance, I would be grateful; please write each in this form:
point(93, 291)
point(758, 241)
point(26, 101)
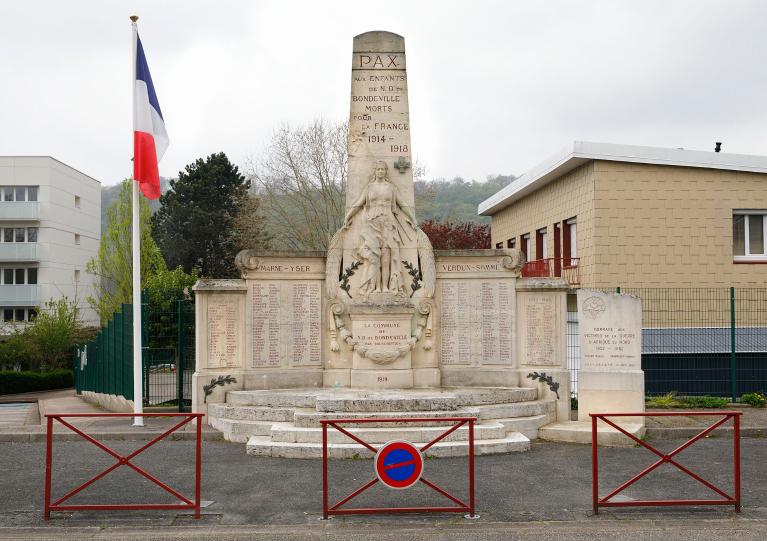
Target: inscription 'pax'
point(377, 61)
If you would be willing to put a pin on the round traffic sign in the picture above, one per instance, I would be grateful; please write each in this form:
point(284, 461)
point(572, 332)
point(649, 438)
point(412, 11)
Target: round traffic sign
point(398, 464)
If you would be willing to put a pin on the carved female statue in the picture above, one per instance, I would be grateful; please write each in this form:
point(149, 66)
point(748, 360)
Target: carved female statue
point(386, 219)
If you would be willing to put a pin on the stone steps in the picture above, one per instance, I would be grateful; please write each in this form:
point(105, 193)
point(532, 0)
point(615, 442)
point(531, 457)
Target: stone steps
point(240, 431)
point(346, 400)
point(253, 413)
point(518, 409)
point(286, 422)
point(289, 433)
point(264, 446)
point(528, 426)
point(310, 418)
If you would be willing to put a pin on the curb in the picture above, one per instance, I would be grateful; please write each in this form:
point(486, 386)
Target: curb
point(689, 432)
point(39, 436)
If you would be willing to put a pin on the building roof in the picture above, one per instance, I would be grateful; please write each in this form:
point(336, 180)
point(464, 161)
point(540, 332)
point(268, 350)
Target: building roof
point(581, 152)
point(43, 156)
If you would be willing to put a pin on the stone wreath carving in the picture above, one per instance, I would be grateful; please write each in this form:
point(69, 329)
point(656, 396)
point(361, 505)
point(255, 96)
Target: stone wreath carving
point(382, 355)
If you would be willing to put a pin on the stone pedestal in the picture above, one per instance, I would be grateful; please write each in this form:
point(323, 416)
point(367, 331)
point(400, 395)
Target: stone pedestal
point(610, 379)
point(382, 330)
point(542, 348)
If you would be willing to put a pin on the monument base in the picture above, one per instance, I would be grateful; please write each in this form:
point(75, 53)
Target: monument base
point(426, 377)
point(382, 379)
point(283, 378)
point(479, 376)
point(337, 377)
point(611, 392)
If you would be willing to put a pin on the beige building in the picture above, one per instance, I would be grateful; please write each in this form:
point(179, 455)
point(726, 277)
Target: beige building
point(607, 215)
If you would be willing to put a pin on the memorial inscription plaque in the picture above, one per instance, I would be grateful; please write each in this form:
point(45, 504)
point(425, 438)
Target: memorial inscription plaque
point(540, 313)
point(222, 332)
point(475, 322)
point(286, 323)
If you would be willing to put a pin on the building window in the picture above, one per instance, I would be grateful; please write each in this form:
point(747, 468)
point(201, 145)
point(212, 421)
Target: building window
point(569, 242)
point(524, 245)
point(749, 232)
point(18, 193)
point(499, 245)
point(18, 314)
point(77, 201)
point(20, 234)
point(77, 275)
point(541, 248)
point(511, 243)
point(19, 276)
point(77, 238)
point(31, 234)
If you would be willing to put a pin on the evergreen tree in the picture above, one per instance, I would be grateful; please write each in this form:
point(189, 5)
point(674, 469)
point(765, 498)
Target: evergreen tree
point(194, 226)
point(114, 261)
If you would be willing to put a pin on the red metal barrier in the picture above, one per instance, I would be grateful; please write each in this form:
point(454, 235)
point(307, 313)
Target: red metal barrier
point(664, 458)
point(58, 505)
point(460, 506)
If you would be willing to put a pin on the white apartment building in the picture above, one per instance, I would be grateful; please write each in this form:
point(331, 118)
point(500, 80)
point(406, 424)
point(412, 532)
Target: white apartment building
point(50, 226)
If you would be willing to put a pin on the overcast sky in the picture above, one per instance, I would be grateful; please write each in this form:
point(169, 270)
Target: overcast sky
point(495, 87)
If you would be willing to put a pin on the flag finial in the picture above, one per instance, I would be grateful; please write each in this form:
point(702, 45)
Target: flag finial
point(134, 18)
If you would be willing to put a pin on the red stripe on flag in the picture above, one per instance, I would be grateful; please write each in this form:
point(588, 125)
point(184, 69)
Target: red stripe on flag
point(145, 170)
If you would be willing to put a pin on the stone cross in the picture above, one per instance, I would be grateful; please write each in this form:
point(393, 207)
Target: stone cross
point(401, 165)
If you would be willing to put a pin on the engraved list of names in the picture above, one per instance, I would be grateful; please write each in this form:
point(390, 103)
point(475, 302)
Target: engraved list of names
point(475, 322)
point(286, 323)
point(539, 330)
point(222, 333)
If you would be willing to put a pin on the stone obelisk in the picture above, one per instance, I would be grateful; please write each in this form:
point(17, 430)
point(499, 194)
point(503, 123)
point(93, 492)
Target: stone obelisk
point(380, 267)
point(379, 131)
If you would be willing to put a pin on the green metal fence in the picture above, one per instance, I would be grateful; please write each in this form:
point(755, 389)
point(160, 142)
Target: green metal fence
point(698, 341)
point(105, 365)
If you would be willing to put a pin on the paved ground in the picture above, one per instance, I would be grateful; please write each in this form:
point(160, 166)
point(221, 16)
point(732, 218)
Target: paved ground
point(551, 483)
point(15, 427)
point(542, 493)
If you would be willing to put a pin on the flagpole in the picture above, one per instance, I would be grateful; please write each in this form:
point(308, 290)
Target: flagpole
point(138, 399)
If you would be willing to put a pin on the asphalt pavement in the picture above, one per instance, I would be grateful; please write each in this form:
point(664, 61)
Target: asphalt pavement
point(249, 497)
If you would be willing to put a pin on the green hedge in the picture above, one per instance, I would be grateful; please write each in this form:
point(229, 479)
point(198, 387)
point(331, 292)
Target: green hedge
point(25, 382)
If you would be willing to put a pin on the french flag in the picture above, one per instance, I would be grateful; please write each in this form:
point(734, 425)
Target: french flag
point(150, 140)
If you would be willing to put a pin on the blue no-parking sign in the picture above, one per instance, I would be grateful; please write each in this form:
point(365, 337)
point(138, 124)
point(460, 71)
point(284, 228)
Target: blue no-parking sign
point(398, 464)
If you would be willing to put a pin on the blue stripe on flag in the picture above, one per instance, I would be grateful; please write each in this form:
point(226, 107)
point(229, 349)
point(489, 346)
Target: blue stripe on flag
point(142, 74)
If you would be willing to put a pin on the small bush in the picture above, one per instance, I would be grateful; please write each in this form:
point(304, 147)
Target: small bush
point(26, 382)
point(757, 400)
point(710, 402)
point(671, 400)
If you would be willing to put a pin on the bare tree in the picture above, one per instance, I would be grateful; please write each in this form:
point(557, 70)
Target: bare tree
point(301, 180)
point(249, 227)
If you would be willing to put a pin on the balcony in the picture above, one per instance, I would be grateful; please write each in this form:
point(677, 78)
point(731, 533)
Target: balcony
point(563, 267)
point(19, 295)
point(20, 210)
point(18, 251)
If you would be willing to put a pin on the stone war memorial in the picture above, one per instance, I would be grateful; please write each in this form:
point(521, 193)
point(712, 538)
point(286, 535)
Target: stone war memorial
point(381, 325)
